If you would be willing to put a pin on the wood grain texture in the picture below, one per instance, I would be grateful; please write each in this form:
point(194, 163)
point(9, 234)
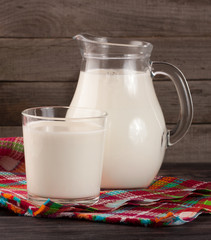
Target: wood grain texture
point(193, 148)
point(24, 228)
point(197, 171)
point(201, 94)
point(65, 18)
point(39, 60)
point(17, 96)
point(10, 131)
point(59, 59)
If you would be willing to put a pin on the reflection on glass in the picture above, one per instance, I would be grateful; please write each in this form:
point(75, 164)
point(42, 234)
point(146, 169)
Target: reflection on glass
point(137, 130)
point(131, 84)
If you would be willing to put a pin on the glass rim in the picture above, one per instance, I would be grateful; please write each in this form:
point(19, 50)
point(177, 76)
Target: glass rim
point(102, 114)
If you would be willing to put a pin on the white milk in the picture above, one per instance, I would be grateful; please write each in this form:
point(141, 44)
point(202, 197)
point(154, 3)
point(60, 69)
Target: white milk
point(63, 160)
point(136, 136)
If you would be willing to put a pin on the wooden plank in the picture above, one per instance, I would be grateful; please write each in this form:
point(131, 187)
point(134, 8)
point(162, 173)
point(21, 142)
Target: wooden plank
point(16, 96)
point(59, 59)
point(201, 94)
point(39, 60)
point(65, 18)
point(198, 171)
point(193, 148)
point(16, 227)
point(10, 131)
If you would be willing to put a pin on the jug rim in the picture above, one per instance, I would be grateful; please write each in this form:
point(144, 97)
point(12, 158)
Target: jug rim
point(126, 42)
point(105, 48)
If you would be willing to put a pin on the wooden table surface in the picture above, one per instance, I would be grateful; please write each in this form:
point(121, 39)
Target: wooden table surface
point(16, 227)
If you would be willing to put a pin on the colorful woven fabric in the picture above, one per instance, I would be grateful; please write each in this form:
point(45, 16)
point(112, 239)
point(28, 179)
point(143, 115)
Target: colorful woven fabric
point(167, 201)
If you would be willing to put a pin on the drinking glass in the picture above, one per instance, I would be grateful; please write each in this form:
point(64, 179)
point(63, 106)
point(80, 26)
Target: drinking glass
point(64, 155)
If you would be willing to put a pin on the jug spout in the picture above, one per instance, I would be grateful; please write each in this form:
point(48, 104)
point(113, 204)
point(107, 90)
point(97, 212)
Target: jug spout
point(80, 37)
point(89, 38)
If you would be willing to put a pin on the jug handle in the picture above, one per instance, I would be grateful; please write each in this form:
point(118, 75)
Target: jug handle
point(185, 99)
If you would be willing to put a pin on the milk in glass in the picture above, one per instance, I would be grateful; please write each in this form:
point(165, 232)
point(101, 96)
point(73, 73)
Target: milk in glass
point(63, 160)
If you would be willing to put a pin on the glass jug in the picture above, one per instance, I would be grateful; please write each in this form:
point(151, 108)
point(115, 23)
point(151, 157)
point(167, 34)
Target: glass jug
point(117, 78)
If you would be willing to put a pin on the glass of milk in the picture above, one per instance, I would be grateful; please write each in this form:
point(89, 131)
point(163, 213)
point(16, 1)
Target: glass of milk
point(64, 154)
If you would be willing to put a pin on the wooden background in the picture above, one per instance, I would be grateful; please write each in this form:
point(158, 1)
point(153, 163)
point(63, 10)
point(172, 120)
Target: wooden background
point(39, 63)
